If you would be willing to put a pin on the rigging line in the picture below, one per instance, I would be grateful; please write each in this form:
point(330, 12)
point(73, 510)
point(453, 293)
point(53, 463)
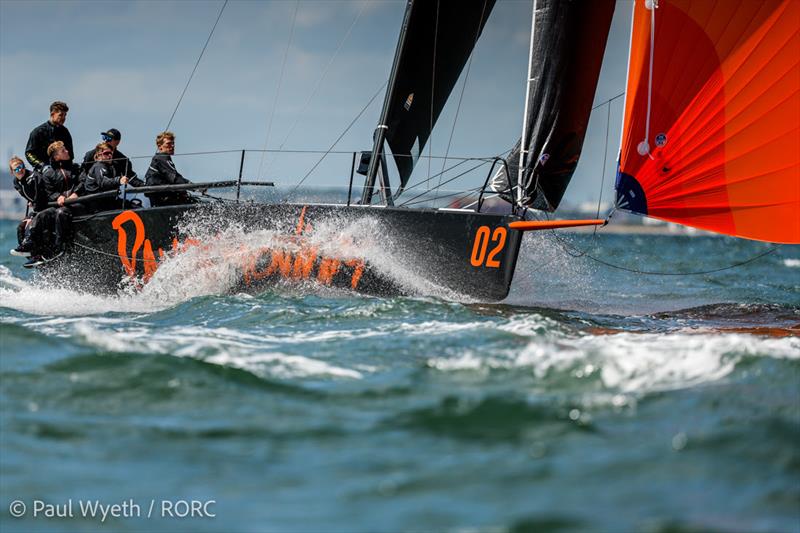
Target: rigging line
point(463, 160)
point(436, 175)
point(446, 182)
point(444, 171)
point(464, 192)
point(324, 73)
point(339, 138)
point(278, 90)
point(433, 89)
point(208, 40)
point(299, 151)
point(601, 104)
point(645, 144)
point(566, 245)
point(605, 161)
point(461, 95)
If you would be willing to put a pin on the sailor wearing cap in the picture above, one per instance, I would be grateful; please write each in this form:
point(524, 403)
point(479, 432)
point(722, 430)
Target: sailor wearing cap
point(122, 165)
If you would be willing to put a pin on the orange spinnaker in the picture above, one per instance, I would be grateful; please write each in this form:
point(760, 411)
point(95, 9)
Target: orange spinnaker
point(533, 225)
point(724, 137)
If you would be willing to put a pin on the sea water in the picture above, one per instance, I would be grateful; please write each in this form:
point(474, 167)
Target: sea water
point(592, 398)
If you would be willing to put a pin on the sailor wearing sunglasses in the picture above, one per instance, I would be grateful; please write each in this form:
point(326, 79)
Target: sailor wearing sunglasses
point(122, 165)
point(103, 176)
point(25, 184)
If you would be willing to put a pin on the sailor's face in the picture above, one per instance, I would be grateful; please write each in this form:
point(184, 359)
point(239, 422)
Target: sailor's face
point(58, 117)
point(18, 169)
point(105, 155)
point(167, 146)
point(61, 155)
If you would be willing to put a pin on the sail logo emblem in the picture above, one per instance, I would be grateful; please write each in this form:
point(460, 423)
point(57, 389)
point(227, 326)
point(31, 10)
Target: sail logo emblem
point(661, 140)
point(409, 101)
point(544, 158)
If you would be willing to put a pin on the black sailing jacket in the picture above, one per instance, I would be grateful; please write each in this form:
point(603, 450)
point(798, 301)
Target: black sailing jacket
point(121, 163)
point(27, 186)
point(57, 178)
point(102, 176)
point(162, 171)
point(43, 136)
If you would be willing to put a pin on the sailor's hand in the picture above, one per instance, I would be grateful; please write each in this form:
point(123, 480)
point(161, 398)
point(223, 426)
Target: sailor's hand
point(123, 180)
point(72, 196)
point(60, 201)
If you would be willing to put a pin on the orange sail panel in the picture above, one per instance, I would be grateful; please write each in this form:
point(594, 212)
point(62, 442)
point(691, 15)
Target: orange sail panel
point(712, 139)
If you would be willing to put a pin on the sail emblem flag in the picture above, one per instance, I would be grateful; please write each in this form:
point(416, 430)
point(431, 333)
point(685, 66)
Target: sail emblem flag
point(725, 101)
point(409, 101)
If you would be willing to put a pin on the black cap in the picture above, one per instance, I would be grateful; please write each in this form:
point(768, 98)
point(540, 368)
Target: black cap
point(113, 133)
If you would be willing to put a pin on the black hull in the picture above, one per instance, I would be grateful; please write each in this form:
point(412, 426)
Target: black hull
point(448, 253)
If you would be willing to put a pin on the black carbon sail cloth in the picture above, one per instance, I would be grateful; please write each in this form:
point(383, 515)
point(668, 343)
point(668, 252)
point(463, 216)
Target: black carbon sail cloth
point(569, 40)
point(424, 79)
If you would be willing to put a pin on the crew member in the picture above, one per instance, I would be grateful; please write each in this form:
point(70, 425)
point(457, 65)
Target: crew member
point(25, 184)
point(162, 171)
point(103, 176)
point(46, 134)
point(59, 181)
point(121, 163)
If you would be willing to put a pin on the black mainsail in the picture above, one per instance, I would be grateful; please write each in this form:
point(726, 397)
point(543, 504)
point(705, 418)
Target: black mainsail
point(435, 43)
point(568, 40)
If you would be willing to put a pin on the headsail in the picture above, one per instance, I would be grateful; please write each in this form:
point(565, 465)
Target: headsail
point(440, 36)
point(567, 45)
point(713, 139)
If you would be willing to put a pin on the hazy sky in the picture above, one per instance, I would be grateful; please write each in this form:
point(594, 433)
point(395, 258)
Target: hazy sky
point(124, 65)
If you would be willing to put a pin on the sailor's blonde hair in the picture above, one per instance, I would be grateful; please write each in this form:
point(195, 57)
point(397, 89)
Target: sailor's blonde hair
point(54, 147)
point(101, 147)
point(164, 135)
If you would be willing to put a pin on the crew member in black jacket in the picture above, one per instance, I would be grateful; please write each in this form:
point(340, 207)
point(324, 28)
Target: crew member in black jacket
point(25, 184)
point(46, 134)
point(162, 171)
point(122, 165)
point(103, 176)
point(58, 181)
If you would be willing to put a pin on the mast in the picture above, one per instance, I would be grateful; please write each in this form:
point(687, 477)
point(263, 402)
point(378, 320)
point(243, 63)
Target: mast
point(380, 130)
point(523, 145)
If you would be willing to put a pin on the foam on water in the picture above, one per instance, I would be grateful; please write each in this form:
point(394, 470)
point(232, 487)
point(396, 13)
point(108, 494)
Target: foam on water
point(221, 346)
point(792, 263)
point(632, 362)
point(50, 299)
